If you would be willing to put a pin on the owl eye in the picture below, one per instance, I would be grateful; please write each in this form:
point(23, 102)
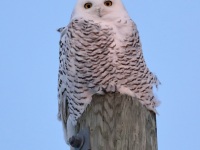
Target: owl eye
point(88, 5)
point(108, 3)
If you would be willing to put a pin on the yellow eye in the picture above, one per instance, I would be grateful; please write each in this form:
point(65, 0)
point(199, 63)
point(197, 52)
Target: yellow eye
point(108, 3)
point(88, 5)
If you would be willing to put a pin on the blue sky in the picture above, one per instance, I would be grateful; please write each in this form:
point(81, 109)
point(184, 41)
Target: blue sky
point(169, 32)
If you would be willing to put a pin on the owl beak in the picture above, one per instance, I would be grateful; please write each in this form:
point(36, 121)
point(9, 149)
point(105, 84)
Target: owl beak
point(99, 12)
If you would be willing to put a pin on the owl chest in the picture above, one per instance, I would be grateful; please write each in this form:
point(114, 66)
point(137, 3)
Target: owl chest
point(95, 46)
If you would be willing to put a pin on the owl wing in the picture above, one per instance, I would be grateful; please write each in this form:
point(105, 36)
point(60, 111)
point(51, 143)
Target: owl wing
point(62, 75)
point(138, 77)
point(73, 92)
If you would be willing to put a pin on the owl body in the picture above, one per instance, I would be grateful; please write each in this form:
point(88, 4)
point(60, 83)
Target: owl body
point(100, 51)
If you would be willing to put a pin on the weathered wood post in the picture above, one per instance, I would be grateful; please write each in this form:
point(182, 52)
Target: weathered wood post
point(119, 122)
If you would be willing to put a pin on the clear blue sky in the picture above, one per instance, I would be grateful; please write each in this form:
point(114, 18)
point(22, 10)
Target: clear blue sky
point(170, 35)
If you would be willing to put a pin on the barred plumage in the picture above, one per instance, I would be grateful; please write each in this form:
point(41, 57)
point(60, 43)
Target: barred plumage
point(97, 57)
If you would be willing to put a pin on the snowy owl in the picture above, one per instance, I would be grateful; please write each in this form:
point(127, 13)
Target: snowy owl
point(100, 51)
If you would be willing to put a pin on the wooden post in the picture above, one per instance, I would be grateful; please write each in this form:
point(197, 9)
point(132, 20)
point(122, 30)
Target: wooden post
point(119, 122)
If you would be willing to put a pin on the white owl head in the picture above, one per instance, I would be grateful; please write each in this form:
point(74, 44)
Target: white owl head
point(99, 9)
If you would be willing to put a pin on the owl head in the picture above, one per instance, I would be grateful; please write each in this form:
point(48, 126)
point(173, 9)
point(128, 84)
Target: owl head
point(99, 9)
